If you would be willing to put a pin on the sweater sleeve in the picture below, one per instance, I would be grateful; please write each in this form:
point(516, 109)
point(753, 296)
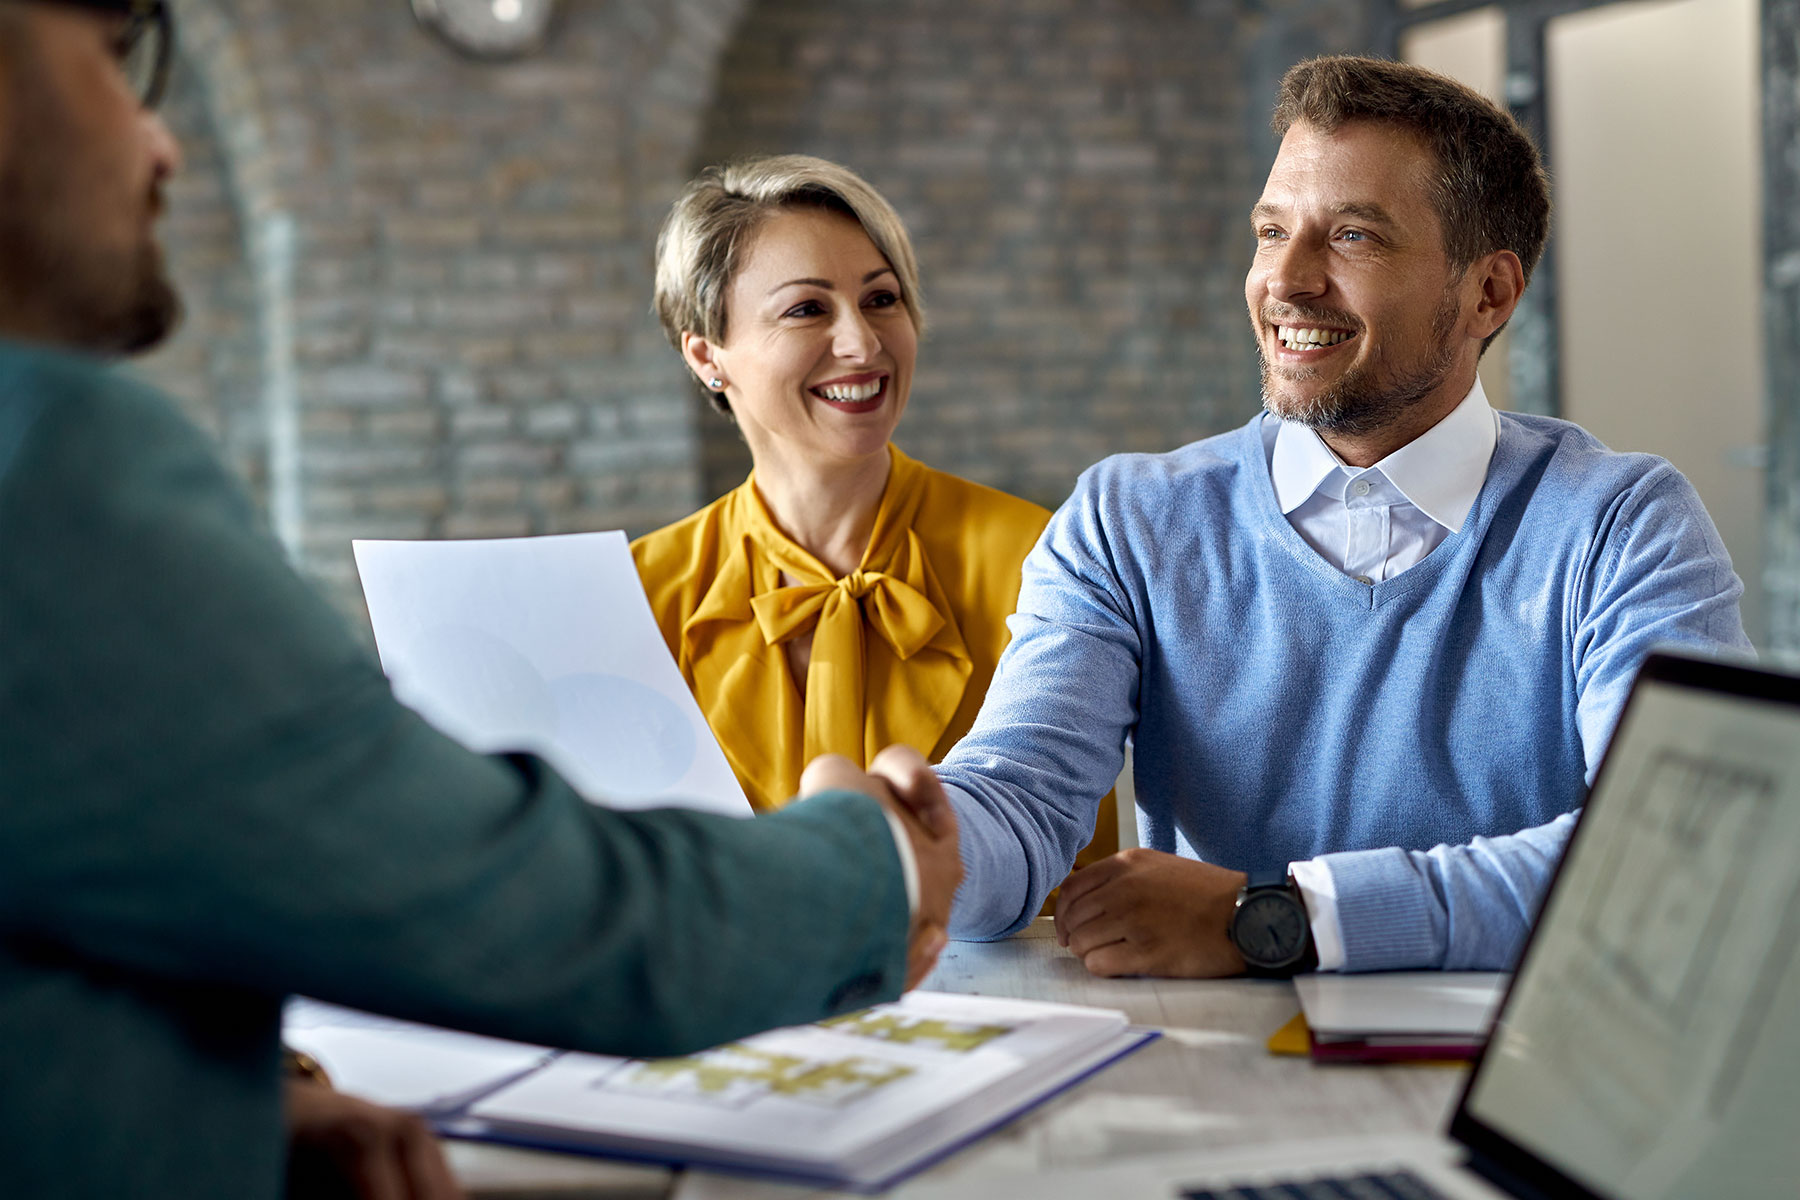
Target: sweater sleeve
point(206, 779)
point(1656, 575)
point(1028, 779)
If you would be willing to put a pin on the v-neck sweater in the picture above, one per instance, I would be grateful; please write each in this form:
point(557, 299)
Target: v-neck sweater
point(1281, 710)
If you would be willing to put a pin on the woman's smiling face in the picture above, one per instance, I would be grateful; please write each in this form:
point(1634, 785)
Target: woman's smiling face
point(818, 352)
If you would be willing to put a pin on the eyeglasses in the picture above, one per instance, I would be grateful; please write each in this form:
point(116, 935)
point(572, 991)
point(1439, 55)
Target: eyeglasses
point(145, 45)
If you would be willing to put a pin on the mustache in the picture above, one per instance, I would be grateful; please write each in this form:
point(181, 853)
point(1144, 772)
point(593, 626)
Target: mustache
point(1303, 314)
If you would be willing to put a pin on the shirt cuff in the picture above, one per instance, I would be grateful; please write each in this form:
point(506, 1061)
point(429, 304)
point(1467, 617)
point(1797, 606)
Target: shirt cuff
point(1319, 890)
point(909, 865)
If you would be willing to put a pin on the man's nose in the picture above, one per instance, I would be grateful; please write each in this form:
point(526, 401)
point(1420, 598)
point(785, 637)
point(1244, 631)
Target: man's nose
point(1298, 271)
point(165, 150)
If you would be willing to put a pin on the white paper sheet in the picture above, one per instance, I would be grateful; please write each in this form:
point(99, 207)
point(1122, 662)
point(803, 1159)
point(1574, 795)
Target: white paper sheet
point(399, 1063)
point(546, 644)
point(1448, 1003)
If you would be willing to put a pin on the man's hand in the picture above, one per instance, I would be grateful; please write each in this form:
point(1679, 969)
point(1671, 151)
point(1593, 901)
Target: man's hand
point(340, 1146)
point(904, 782)
point(1142, 912)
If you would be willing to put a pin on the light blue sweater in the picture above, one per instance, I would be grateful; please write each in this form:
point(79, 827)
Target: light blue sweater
point(1282, 710)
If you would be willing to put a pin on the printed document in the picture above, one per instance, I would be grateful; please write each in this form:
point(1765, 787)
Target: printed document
point(860, 1100)
point(546, 644)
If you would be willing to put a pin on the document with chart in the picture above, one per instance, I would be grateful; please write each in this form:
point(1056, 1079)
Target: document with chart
point(859, 1101)
point(1646, 1043)
point(546, 644)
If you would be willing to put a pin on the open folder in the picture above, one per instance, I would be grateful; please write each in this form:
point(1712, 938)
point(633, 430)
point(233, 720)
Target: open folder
point(859, 1101)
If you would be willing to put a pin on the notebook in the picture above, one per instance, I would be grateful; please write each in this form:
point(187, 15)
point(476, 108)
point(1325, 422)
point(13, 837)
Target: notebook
point(1649, 1043)
point(1398, 1016)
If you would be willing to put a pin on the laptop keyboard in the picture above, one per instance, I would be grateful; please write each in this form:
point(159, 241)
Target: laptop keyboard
point(1374, 1185)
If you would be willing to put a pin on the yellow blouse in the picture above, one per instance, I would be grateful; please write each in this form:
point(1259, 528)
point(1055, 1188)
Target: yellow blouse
point(903, 648)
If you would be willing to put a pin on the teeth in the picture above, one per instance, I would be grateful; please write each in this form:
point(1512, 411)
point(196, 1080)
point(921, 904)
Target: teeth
point(1305, 339)
point(852, 392)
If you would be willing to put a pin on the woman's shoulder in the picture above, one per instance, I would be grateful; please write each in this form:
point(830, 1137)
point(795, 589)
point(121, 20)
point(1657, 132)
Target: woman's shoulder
point(980, 508)
point(684, 556)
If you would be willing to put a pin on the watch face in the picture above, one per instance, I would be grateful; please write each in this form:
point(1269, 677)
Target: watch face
point(488, 28)
point(1269, 929)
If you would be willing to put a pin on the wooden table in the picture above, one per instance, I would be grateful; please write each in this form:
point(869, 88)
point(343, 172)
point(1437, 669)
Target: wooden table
point(1209, 1082)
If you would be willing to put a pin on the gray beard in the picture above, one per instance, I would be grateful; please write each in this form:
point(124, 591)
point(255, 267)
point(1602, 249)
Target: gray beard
point(1363, 402)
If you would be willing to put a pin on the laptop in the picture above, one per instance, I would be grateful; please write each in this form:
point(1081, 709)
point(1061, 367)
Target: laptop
point(1649, 1045)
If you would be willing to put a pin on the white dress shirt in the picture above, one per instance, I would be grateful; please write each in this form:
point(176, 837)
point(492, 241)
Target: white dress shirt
point(1372, 524)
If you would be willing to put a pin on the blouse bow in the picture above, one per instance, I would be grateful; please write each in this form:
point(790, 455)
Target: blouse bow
point(902, 685)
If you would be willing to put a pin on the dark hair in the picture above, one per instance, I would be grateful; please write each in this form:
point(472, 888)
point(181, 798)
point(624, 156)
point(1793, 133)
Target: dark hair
point(1490, 190)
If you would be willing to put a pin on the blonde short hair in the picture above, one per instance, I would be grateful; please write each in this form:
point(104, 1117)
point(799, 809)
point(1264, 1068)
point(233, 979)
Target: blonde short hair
point(701, 246)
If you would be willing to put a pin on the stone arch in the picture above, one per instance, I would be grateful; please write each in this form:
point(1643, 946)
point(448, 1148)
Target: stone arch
point(448, 266)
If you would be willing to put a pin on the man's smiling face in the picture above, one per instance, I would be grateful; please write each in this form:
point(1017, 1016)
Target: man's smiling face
point(1357, 312)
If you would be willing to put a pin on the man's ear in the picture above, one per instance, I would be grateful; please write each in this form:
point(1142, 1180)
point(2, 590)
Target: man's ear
point(1501, 281)
point(702, 359)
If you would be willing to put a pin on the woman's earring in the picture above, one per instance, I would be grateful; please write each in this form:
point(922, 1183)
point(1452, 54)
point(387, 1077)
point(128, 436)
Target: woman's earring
point(716, 384)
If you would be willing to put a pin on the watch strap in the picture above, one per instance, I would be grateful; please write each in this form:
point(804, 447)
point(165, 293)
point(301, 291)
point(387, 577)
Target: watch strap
point(1271, 877)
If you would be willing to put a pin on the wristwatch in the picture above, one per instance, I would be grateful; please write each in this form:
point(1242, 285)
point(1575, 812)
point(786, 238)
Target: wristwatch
point(1271, 928)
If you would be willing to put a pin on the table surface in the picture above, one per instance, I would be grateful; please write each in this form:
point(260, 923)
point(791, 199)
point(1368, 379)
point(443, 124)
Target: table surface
point(1209, 1082)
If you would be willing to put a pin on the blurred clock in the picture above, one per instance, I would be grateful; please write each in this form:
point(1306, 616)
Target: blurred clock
point(489, 29)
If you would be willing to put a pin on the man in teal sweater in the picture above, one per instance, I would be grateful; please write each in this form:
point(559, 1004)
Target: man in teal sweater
point(208, 797)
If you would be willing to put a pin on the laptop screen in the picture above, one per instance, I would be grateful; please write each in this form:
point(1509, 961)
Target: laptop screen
point(1650, 1045)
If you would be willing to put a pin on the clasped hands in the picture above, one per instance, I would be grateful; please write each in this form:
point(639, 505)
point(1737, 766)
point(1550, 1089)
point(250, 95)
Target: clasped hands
point(904, 783)
point(1138, 912)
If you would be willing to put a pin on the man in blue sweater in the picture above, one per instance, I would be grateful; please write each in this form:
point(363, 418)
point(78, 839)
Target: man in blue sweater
point(1370, 646)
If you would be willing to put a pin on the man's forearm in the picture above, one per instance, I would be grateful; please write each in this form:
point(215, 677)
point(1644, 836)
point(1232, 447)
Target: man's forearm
point(1002, 871)
point(1462, 908)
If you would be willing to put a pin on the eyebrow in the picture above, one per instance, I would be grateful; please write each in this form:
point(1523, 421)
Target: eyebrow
point(1367, 210)
point(827, 284)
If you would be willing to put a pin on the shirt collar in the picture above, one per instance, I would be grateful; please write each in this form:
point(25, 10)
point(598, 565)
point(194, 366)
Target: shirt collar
point(1440, 471)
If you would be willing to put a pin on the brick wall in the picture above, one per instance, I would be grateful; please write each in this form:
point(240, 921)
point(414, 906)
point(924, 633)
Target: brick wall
point(213, 365)
point(419, 286)
point(1075, 178)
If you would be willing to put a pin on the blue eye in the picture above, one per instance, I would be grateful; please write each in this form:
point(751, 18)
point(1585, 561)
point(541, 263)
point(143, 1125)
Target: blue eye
point(1352, 235)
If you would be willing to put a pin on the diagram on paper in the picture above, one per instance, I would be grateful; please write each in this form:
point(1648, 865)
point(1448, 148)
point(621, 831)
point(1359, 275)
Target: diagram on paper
point(735, 1075)
point(1669, 882)
point(887, 1025)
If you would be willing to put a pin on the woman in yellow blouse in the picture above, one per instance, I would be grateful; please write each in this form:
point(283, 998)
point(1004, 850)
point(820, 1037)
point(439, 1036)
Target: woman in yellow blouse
point(844, 596)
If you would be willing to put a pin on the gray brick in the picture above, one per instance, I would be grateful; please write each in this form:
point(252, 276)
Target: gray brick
point(511, 457)
point(368, 386)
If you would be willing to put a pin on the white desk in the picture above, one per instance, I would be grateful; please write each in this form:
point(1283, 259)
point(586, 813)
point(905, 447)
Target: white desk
point(1208, 1082)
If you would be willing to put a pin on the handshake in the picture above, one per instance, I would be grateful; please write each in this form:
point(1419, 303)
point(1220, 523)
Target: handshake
point(904, 783)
